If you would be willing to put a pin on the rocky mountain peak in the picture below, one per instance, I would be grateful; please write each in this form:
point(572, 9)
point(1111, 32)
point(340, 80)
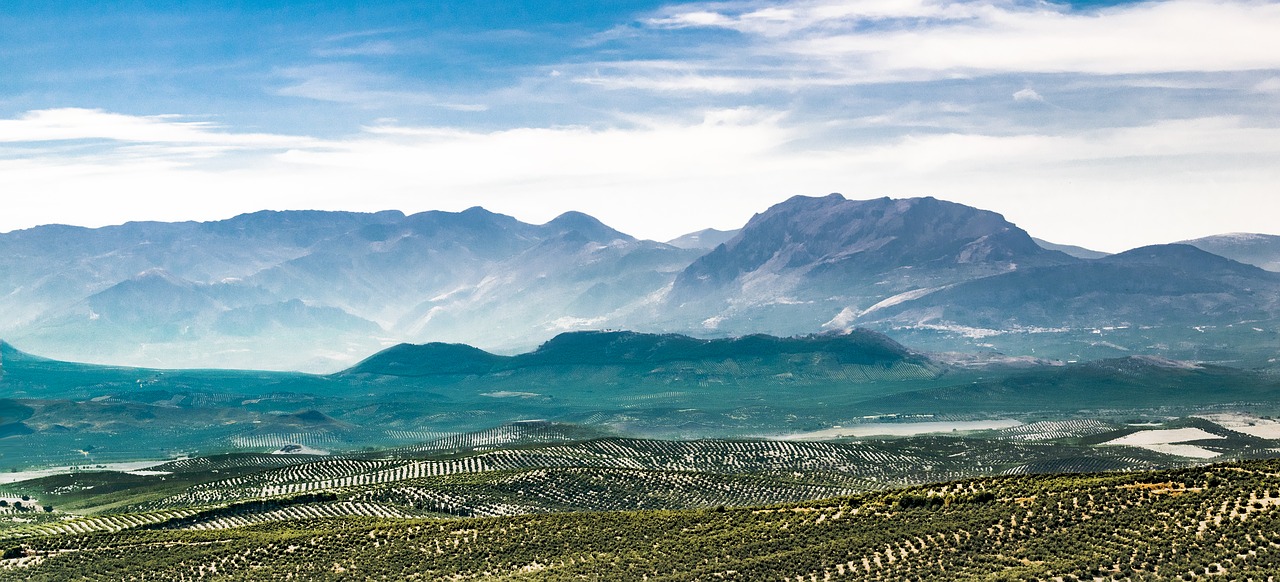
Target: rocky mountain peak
point(806, 235)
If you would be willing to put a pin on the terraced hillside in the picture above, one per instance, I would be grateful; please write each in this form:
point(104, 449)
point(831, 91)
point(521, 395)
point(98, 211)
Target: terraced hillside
point(1217, 522)
point(604, 474)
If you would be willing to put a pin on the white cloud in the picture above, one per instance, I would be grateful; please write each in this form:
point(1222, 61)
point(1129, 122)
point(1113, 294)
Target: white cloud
point(1027, 94)
point(675, 82)
point(699, 18)
point(94, 124)
point(1177, 35)
point(1269, 85)
point(660, 177)
point(787, 18)
point(822, 43)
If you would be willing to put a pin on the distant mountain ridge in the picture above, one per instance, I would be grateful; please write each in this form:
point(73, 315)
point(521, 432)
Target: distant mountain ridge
point(1117, 290)
point(1075, 251)
point(318, 291)
point(708, 238)
point(1261, 250)
point(1169, 300)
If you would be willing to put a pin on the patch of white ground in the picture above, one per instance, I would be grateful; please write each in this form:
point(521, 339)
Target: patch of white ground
point(1166, 441)
point(846, 317)
point(900, 429)
point(298, 449)
point(1242, 423)
point(88, 467)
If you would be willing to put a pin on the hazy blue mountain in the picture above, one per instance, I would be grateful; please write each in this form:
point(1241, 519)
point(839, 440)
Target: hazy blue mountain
point(140, 293)
point(160, 320)
point(1260, 250)
point(321, 290)
point(379, 270)
point(947, 277)
point(1168, 299)
point(580, 274)
point(1075, 251)
point(804, 262)
point(480, 277)
point(1154, 285)
point(293, 314)
point(318, 290)
point(705, 239)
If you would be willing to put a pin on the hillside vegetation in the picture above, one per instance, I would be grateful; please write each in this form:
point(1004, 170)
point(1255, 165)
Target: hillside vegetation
point(1218, 521)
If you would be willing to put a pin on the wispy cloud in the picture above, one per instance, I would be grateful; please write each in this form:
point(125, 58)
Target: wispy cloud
point(1027, 94)
point(823, 43)
point(94, 124)
point(373, 48)
point(700, 114)
point(346, 83)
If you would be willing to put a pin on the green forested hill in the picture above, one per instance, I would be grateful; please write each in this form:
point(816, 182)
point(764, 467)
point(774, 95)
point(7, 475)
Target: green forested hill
point(658, 386)
point(1219, 521)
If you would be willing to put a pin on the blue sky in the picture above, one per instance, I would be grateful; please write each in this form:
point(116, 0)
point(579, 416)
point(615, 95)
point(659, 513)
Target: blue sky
point(1103, 124)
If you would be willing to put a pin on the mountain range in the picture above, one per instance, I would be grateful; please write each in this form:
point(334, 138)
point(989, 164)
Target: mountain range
point(319, 291)
point(316, 290)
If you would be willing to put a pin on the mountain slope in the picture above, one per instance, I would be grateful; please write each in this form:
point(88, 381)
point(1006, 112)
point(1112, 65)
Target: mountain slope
point(579, 275)
point(1173, 300)
point(1075, 251)
point(800, 263)
point(1260, 250)
point(1156, 285)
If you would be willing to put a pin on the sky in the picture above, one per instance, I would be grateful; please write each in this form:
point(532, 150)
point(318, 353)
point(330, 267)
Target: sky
point(1103, 124)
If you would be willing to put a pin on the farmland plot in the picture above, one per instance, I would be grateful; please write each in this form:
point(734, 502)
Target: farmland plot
point(1215, 522)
